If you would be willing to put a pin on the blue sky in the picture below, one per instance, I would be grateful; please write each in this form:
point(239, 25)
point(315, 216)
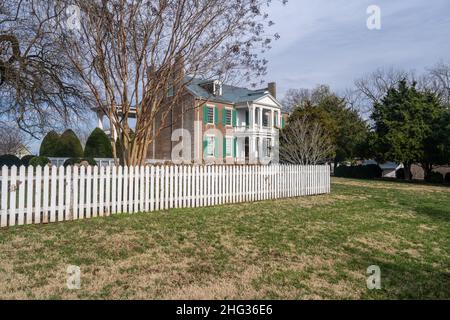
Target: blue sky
point(327, 41)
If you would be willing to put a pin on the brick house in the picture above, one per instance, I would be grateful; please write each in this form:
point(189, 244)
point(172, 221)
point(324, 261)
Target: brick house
point(224, 123)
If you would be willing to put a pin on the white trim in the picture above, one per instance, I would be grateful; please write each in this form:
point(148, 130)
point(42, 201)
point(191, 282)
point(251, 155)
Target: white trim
point(266, 105)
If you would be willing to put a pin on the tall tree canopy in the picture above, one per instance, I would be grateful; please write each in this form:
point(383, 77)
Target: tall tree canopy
point(404, 123)
point(347, 131)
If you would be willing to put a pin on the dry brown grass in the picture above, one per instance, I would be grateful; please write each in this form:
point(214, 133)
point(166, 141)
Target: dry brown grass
point(305, 248)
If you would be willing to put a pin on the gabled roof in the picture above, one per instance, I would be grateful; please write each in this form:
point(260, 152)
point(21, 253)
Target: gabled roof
point(230, 94)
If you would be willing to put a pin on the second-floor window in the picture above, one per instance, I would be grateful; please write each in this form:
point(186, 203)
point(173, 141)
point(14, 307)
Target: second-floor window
point(210, 111)
point(266, 118)
point(228, 117)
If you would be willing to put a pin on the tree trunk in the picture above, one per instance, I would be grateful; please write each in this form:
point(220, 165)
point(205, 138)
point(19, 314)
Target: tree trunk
point(427, 169)
point(407, 170)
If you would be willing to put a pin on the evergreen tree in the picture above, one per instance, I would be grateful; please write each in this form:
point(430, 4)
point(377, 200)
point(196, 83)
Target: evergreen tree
point(403, 121)
point(69, 145)
point(49, 145)
point(98, 145)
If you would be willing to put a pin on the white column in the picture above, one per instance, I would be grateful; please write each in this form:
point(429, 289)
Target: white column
point(261, 118)
point(253, 118)
point(252, 149)
point(100, 120)
point(272, 117)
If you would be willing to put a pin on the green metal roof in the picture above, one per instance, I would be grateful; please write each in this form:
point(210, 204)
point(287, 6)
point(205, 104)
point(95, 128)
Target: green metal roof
point(230, 94)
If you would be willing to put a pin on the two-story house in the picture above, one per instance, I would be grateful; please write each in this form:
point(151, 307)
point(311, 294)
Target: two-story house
point(224, 122)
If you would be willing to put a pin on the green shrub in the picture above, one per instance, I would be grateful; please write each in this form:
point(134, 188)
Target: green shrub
point(400, 174)
point(447, 177)
point(49, 145)
point(9, 160)
point(40, 161)
point(371, 171)
point(98, 145)
point(26, 160)
point(74, 161)
point(69, 145)
point(435, 177)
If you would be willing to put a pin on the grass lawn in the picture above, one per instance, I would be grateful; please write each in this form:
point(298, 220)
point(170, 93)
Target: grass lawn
point(305, 248)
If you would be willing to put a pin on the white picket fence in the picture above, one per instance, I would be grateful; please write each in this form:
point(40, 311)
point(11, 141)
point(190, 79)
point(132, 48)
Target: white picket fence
point(43, 195)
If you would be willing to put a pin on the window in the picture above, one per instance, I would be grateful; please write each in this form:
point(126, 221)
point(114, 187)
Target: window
point(266, 118)
point(210, 146)
point(268, 147)
point(229, 147)
point(275, 118)
point(228, 117)
point(210, 116)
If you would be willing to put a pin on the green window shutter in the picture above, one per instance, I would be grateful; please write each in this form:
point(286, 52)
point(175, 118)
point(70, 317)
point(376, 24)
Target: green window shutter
point(205, 114)
point(235, 147)
point(276, 119)
point(216, 116)
point(247, 120)
point(282, 123)
point(224, 116)
point(234, 118)
point(224, 147)
point(216, 147)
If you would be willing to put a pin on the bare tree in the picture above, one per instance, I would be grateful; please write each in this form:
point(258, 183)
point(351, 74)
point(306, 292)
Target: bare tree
point(371, 88)
point(305, 142)
point(38, 88)
point(136, 56)
point(300, 97)
point(438, 81)
point(12, 140)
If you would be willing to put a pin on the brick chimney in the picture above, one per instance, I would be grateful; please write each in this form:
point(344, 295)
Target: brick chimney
point(272, 88)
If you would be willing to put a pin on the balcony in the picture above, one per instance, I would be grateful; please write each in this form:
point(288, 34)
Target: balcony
point(256, 129)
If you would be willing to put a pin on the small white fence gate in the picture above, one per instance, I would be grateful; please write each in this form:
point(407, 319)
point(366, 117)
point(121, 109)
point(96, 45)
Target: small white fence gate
point(42, 195)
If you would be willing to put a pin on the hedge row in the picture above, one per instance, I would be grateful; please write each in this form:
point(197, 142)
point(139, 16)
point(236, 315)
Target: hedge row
point(434, 177)
point(359, 172)
point(30, 160)
point(68, 145)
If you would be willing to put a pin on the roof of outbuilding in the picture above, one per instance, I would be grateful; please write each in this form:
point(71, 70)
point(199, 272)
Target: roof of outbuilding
point(230, 94)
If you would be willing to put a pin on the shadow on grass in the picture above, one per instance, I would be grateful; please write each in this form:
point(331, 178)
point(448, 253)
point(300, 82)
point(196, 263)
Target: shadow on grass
point(434, 213)
point(404, 278)
point(398, 181)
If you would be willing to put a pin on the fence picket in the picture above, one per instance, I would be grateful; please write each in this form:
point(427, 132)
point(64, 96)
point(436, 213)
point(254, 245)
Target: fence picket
point(21, 200)
point(82, 186)
point(152, 188)
point(107, 192)
point(75, 192)
point(119, 199)
point(101, 191)
point(30, 193)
